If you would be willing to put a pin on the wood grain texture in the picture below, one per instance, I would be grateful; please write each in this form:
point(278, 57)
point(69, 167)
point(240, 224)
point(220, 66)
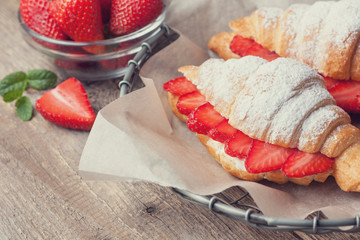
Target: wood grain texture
point(42, 195)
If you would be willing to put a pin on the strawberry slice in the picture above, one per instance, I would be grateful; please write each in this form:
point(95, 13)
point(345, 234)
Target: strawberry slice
point(203, 119)
point(179, 86)
point(300, 164)
point(265, 157)
point(189, 102)
point(258, 50)
point(330, 82)
point(347, 95)
point(67, 105)
point(222, 132)
point(239, 145)
point(239, 45)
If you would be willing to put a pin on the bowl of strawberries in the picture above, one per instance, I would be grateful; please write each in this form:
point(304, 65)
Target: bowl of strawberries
point(90, 39)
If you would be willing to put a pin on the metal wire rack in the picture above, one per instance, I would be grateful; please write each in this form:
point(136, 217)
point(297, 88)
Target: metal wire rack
point(234, 203)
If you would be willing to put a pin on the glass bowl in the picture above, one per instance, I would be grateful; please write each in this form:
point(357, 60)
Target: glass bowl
point(74, 59)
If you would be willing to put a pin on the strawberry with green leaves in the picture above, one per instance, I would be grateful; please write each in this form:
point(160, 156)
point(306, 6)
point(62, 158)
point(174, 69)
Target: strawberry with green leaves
point(67, 106)
point(36, 15)
point(80, 19)
point(130, 15)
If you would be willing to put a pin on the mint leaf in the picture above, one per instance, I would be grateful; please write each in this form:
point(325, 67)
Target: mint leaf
point(13, 81)
point(12, 95)
point(24, 108)
point(41, 79)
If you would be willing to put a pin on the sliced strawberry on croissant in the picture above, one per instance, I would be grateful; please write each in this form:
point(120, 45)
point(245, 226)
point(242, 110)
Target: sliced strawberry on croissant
point(222, 132)
point(189, 102)
point(300, 164)
point(239, 145)
point(179, 86)
point(266, 157)
point(203, 119)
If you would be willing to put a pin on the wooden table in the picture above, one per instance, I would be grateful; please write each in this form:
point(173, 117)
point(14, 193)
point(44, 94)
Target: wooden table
point(42, 195)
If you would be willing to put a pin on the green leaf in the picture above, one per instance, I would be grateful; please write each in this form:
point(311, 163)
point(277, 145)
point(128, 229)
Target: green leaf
point(24, 108)
point(12, 95)
point(13, 81)
point(41, 79)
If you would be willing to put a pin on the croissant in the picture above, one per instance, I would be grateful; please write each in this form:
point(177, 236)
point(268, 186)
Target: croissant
point(283, 102)
point(324, 35)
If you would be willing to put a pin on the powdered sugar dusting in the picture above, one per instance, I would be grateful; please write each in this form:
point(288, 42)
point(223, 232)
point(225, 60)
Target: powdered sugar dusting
point(341, 28)
point(318, 122)
point(269, 16)
point(309, 28)
point(290, 24)
point(275, 96)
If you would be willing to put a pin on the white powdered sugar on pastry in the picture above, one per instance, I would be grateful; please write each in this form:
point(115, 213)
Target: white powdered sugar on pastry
point(321, 121)
point(287, 30)
point(222, 84)
point(306, 40)
point(338, 37)
point(288, 120)
point(269, 16)
point(266, 91)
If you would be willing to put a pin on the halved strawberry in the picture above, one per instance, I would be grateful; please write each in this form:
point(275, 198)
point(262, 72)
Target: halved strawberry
point(300, 164)
point(67, 105)
point(203, 119)
point(222, 132)
point(265, 157)
point(190, 101)
point(258, 50)
point(179, 86)
point(347, 95)
point(239, 45)
point(239, 145)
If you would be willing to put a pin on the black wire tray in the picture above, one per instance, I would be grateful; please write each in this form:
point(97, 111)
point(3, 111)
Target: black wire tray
point(234, 203)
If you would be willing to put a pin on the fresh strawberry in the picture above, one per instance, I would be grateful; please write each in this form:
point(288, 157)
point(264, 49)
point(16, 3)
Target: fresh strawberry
point(67, 105)
point(105, 10)
point(130, 15)
point(179, 86)
point(222, 132)
point(36, 15)
point(203, 119)
point(80, 20)
point(239, 145)
point(265, 157)
point(347, 95)
point(300, 164)
point(239, 45)
point(189, 102)
point(330, 82)
point(260, 51)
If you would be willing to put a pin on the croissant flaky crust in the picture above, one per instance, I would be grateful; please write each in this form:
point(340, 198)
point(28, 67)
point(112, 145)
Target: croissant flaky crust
point(324, 35)
point(283, 102)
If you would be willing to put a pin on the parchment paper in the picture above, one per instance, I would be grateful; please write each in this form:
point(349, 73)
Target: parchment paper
point(137, 138)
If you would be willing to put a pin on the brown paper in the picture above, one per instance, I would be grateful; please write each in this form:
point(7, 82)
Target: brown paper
point(138, 138)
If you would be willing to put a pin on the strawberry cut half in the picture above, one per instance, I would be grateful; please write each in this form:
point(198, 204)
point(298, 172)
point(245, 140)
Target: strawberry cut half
point(239, 145)
point(189, 102)
point(266, 157)
point(346, 95)
point(259, 51)
point(203, 119)
point(300, 164)
point(222, 132)
point(179, 86)
point(239, 45)
point(67, 106)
